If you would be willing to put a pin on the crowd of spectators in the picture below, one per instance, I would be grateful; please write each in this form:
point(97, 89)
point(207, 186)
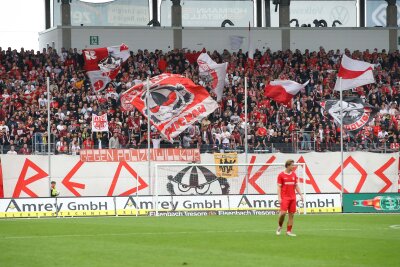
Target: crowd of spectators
point(272, 127)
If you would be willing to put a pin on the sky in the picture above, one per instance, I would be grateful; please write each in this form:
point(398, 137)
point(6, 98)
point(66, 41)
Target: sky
point(20, 23)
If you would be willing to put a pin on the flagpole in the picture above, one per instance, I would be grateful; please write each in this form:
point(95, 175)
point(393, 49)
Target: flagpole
point(341, 139)
point(148, 129)
point(246, 145)
point(48, 132)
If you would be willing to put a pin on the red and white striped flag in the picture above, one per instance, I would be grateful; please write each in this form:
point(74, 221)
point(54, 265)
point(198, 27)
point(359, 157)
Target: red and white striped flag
point(354, 73)
point(283, 91)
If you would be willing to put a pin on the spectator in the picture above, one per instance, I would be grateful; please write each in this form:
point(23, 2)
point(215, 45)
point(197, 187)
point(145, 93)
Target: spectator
point(156, 140)
point(75, 148)
point(114, 142)
point(187, 141)
point(24, 150)
point(63, 148)
point(88, 143)
point(12, 151)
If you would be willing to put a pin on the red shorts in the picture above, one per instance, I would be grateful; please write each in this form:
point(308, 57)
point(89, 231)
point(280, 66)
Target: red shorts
point(288, 204)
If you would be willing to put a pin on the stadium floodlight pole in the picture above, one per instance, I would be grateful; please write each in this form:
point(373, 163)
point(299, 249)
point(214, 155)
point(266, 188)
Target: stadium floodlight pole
point(148, 131)
point(341, 139)
point(48, 132)
point(246, 145)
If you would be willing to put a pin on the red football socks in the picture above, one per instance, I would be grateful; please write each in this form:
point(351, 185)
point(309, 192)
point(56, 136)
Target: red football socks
point(289, 228)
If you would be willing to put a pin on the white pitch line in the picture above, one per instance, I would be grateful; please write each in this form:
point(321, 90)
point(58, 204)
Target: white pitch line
point(163, 233)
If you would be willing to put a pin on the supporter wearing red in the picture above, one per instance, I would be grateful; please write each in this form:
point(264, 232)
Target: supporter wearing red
point(24, 150)
point(23, 73)
point(88, 143)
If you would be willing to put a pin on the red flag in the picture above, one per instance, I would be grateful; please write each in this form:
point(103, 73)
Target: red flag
point(354, 73)
point(175, 103)
point(283, 91)
point(192, 57)
point(103, 64)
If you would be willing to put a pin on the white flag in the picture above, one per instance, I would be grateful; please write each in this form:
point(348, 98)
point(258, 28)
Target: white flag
point(214, 72)
point(99, 123)
point(236, 41)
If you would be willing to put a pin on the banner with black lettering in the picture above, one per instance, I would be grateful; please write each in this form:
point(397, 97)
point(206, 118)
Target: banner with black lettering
point(189, 205)
point(174, 103)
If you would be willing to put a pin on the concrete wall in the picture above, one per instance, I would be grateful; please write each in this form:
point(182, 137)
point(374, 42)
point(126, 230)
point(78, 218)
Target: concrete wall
point(50, 36)
point(219, 38)
point(351, 38)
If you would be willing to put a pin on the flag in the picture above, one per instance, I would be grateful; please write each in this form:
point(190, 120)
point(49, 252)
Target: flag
point(236, 41)
point(103, 64)
point(213, 72)
point(356, 113)
point(175, 103)
point(250, 53)
point(282, 91)
point(354, 73)
point(99, 123)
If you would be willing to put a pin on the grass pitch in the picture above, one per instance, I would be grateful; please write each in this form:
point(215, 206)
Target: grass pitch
point(323, 240)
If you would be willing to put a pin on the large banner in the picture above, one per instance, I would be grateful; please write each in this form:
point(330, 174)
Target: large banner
point(164, 205)
point(140, 155)
point(27, 176)
point(356, 113)
point(173, 103)
point(57, 207)
point(371, 203)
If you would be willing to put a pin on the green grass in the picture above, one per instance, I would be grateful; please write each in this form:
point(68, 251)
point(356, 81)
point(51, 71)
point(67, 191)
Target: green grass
point(323, 240)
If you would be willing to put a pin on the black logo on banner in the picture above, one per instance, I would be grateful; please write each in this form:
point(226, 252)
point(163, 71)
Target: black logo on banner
point(226, 169)
point(197, 180)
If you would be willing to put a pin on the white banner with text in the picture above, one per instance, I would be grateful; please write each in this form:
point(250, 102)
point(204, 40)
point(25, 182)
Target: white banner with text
point(164, 205)
point(28, 176)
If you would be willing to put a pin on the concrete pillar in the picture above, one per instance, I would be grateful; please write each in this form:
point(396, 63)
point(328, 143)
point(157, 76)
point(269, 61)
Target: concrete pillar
point(362, 13)
point(65, 23)
point(391, 13)
point(391, 21)
point(176, 23)
point(259, 13)
point(267, 13)
point(65, 13)
point(284, 22)
point(284, 13)
point(155, 10)
point(47, 13)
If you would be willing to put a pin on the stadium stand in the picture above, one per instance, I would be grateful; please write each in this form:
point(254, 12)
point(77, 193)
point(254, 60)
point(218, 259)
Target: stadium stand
point(273, 128)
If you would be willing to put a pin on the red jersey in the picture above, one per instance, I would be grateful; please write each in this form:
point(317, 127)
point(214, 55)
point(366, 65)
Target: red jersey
point(288, 184)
